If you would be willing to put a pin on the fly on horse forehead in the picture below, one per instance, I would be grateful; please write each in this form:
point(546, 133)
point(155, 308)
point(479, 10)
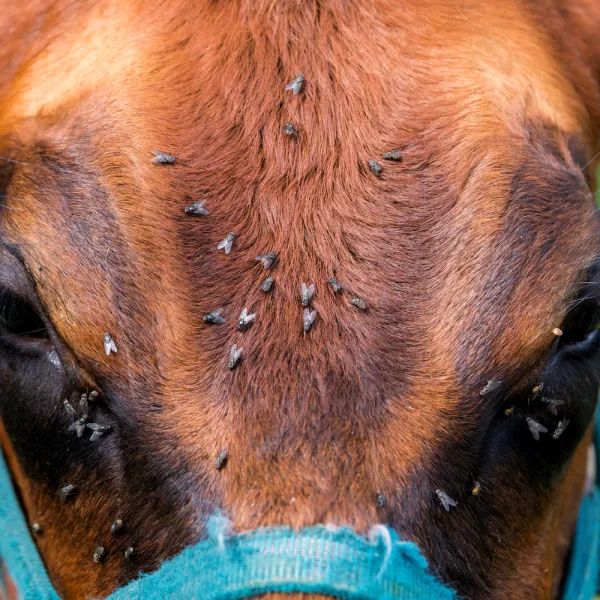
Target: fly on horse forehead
point(299, 299)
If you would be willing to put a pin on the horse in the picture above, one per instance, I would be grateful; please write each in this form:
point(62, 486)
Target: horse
point(327, 263)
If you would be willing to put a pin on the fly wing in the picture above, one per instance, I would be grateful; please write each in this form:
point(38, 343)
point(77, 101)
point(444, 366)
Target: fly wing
point(535, 428)
point(83, 406)
point(445, 502)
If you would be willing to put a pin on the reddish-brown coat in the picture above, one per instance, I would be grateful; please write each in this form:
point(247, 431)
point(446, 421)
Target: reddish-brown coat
point(469, 92)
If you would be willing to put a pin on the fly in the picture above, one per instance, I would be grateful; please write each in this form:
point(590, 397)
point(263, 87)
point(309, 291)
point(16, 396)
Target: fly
point(109, 344)
point(393, 155)
point(446, 501)
point(266, 285)
point(476, 488)
point(36, 528)
point(489, 387)
point(535, 428)
point(81, 414)
point(234, 357)
point(375, 167)
point(197, 208)
point(66, 491)
point(562, 425)
point(214, 317)
point(98, 554)
point(267, 260)
point(289, 130)
point(98, 430)
point(116, 526)
point(359, 303)
point(245, 319)
point(227, 243)
point(552, 404)
point(69, 408)
point(295, 86)
point(308, 319)
point(306, 294)
point(336, 286)
point(161, 158)
point(221, 459)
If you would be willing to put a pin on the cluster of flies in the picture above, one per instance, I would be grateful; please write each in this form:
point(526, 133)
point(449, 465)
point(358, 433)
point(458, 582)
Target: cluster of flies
point(215, 317)
point(115, 529)
point(534, 426)
point(80, 415)
point(246, 318)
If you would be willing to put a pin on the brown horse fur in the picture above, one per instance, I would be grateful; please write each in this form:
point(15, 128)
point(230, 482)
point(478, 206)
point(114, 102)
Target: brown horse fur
point(468, 252)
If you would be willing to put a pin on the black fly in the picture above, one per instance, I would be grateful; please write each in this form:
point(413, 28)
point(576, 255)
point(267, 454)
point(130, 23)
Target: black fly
point(227, 243)
point(81, 414)
point(393, 155)
point(266, 285)
point(445, 500)
point(197, 208)
point(289, 130)
point(562, 425)
point(552, 404)
point(535, 428)
point(98, 430)
point(295, 85)
point(359, 303)
point(109, 344)
point(336, 286)
point(214, 317)
point(375, 167)
point(308, 319)
point(234, 357)
point(306, 294)
point(66, 491)
point(98, 554)
point(221, 459)
point(161, 158)
point(267, 260)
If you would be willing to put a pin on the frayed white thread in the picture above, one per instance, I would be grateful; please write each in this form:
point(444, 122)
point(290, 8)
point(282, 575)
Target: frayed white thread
point(381, 533)
point(220, 529)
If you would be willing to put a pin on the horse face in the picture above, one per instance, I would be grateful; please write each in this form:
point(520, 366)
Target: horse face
point(433, 368)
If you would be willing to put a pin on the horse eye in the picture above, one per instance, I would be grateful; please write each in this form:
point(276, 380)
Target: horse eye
point(19, 320)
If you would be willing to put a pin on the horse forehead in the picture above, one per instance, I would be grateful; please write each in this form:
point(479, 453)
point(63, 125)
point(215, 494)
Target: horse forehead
point(312, 200)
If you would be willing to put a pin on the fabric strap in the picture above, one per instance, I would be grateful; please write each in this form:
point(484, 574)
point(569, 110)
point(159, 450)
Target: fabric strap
point(333, 562)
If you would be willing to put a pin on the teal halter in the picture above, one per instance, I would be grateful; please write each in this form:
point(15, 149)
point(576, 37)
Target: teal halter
point(325, 560)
